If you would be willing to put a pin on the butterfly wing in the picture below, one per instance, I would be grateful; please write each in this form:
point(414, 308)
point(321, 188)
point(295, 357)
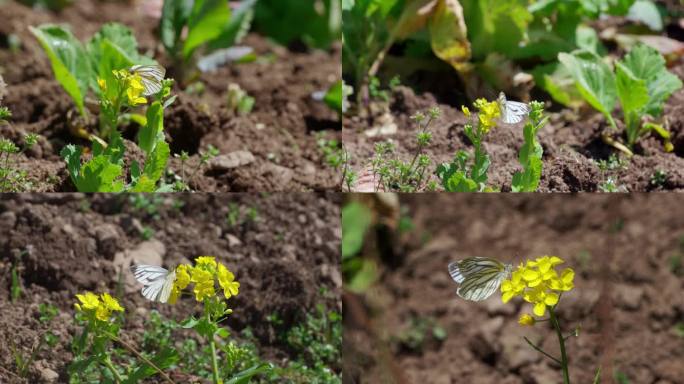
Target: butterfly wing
point(166, 288)
point(479, 277)
point(514, 112)
point(155, 280)
point(151, 76)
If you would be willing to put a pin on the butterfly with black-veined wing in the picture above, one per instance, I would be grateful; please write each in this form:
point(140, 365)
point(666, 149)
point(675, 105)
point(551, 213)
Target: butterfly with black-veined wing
point(512, 112)
point(151, 76)
point(478, 277)
point(157, 281)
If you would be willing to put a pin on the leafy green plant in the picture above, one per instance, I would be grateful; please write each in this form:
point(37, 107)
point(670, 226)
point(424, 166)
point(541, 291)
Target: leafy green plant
point(377, 92)
point(331, 149)
point(318, 339)
point(104, 172)
point(186, 26)
point(77, 66)
point(93, 352)
point(530, 155)
point(462, 175)
point(397, 175)
point(641, 83)
point(659, 178)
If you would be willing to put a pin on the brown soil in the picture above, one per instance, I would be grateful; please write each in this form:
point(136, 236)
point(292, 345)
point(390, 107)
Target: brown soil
point(572, 145)
point(280, 132)
point(627, 296)
point(70, 243)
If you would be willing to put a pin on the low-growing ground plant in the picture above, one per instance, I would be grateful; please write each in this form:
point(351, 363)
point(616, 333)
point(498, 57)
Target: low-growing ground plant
point(641, 83)
point(182, 181)
point(391, 174)
point(238, 101)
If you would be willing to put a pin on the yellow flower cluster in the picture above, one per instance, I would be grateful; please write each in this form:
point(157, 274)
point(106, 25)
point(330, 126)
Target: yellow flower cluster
point(204, 275)
point(537, 282)
point(102, 306)
point(489, 111)
point(132, 83)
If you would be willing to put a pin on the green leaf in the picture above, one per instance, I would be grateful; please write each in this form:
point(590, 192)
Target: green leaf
point(175, 14)
point(647, 64)
point(152, 132)
point(207, 20)
point(593, 78)
point(155, 164)
point(555, 79)
point(597, 378)
point(237, 28)
point(365, 274)
point(356, 219)
point(632, 91)
point(448, 34)
point(245, 376)
point(333, 98)
point(496, 25)
point(99, 175)
point(68, 60)
point(72, 155)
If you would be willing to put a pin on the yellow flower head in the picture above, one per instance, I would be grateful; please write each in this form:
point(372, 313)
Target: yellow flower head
point(226, 281)
point(204, 283)
point(110, 303)
point(527, 320)
point(88, 301)
point(488, 112)
point(465, 110)
point(209, 261)
point(134, 90)
point(538, 283)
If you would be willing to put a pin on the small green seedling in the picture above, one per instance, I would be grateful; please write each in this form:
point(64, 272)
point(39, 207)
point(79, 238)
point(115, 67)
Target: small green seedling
point(659, 178)
point(641, 83)
point(238, 101)
point(205, 156)
point(12, 179)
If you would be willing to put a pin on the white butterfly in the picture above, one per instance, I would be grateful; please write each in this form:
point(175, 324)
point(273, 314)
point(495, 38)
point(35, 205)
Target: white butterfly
point(157, 281)
point(151, 75)
point(512, 112)
point(478, 277)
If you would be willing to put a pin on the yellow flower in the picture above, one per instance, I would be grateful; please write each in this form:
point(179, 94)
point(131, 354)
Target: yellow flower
point(209, 261)
point(134, 90)
point(565, 282)
point(465, 110)
point(110, 303)
point(226, 281)
point(526, 320)
point(102, 83)
point(180, 283)
point(488, 112)
point(513, 287)
point(204, 283)
point(89, 300)
point(204, 290)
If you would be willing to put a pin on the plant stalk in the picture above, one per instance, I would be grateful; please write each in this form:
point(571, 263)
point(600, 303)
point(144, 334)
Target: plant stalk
point(108, 363)
point(214, 362)
point(561, 342)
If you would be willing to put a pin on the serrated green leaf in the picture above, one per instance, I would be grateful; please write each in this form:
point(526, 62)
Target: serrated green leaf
point(99, 175)
point(556, 80)
point(593, 78)
point(632, 91)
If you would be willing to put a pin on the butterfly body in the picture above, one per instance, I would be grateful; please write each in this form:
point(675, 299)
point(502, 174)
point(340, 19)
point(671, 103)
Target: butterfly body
point(157, 281)
point(512, 112)
point(151, 76)
point(478, 277)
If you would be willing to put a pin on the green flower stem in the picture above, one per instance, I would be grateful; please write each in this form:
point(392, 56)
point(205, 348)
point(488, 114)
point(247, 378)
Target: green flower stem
point(561, 341)
point(214, 359)
point(108, 363)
